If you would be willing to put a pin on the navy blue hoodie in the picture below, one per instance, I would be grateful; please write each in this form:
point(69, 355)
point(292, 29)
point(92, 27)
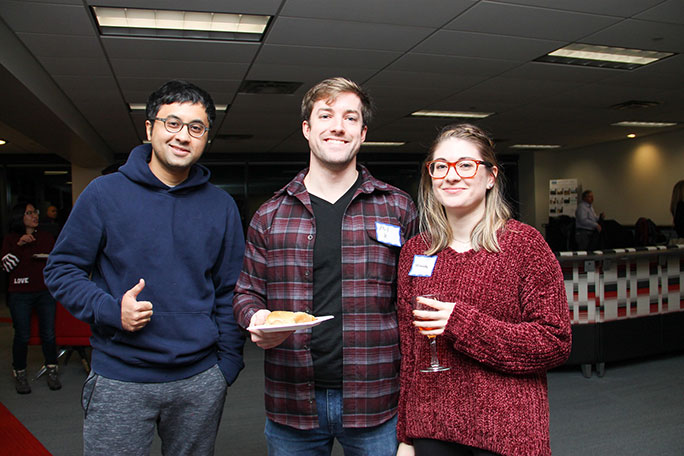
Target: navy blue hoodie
point(185, 241)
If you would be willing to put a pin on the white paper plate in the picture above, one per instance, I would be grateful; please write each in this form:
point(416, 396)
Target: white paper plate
point(295, 326)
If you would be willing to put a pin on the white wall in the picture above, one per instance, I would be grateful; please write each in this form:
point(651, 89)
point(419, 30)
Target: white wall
point(630, 178)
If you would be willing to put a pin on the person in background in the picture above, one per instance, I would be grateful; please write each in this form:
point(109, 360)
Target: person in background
point(498, 311)
point(328, 243)
point(24, 251)
point(149, 257)
point(677, 208)
point(587, 223)
point(50, 223)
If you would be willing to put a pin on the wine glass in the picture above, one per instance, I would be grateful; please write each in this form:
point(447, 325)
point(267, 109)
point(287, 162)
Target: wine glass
point(435, 366)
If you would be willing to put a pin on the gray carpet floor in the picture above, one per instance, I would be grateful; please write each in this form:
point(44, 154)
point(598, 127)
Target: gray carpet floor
point(637, 408)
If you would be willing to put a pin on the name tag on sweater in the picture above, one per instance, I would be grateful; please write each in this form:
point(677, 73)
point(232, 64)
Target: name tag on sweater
point(388, 234)
point(422, 265)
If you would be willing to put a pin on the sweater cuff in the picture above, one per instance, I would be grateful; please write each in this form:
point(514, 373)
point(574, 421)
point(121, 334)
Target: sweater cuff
point(109, 313)
point(460, 321)
point(229, 369)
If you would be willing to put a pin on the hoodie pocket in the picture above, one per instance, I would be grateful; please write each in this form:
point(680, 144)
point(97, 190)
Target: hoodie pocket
point(170, 338)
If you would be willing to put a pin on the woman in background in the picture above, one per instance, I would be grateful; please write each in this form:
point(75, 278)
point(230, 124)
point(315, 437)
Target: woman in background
point(500, 312)
point(24, 252)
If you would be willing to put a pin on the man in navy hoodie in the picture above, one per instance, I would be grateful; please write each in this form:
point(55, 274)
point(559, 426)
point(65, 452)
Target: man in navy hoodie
point(149, 258)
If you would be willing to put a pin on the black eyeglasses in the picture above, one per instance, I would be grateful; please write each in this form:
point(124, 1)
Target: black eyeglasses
point(465, 168)
point(174, 125)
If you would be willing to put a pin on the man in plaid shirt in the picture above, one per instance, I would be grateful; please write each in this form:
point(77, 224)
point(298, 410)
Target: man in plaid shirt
point(328, 243)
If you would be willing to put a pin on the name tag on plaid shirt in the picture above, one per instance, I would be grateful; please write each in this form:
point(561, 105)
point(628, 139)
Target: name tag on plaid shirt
point(388, 234)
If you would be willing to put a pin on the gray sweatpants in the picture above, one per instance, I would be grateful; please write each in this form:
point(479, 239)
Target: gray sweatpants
point(120, 417)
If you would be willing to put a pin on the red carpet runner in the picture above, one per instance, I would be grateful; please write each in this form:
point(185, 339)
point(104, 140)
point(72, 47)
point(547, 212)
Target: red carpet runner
point(15, 439)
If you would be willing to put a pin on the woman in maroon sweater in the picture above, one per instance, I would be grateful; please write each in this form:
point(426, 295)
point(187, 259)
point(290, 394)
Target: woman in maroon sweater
point(500, 313)
point(24, 252)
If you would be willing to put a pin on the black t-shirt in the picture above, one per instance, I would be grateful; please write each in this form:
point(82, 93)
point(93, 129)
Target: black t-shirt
point(326, 338)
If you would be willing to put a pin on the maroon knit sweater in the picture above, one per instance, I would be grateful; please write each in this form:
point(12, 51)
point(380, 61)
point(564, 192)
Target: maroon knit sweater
point(509, 325)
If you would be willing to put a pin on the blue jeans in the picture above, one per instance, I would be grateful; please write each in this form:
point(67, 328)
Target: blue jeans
point(374, 441)
point(21, 306)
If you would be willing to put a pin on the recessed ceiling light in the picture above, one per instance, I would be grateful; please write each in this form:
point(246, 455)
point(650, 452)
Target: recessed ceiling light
point(142, 106)
point(2, 142)
point(461, 114)
point(535, 146)
point(631, 135)
point(382, 143)
point(634, 123)
point(603, 56)
point(180, 24)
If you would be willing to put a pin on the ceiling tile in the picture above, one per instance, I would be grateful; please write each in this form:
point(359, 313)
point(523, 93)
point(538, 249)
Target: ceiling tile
point(478, 45)
point(306, 75)
point(137, 90)
point(525, 21)
point(348, 35)
point(69, 46)
point(180, 50)
point(425, 80)
point(47, 18)
point(313, 56)
point(426, 13)
point(669, 11)
point(652, 36)
point(74, 66)
point(555, 72)
point(190, 70)
point(617, 8)
point(433, 63)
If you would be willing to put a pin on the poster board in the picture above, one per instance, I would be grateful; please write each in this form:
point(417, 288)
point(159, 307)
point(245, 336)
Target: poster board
point(562, 197)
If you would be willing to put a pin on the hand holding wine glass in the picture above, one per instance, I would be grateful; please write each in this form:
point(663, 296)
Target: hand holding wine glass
point(432, 316)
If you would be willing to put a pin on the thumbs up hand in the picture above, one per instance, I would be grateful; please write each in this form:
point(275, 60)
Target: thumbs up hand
point(135, 314)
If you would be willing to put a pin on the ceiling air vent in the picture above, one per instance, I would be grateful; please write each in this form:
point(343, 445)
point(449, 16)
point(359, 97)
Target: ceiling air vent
point(270, 87)
point(635, 104)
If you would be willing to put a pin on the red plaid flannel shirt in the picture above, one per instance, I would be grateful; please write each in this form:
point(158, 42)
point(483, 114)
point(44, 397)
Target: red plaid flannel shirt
point(277, 274)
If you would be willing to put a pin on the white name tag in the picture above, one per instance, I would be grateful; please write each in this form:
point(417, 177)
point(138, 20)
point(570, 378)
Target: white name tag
point(422, 265)
point(388, 234)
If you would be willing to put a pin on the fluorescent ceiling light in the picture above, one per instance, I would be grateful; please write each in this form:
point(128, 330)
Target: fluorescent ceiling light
point(382, 143)
point(55, 172)
point(142, 106)
point(461, 114)
point(535, 146)
point(603, 56)
point(180, 24)
point(630, 123)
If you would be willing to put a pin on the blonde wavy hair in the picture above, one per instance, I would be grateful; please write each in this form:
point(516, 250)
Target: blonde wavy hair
point(434, 225)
